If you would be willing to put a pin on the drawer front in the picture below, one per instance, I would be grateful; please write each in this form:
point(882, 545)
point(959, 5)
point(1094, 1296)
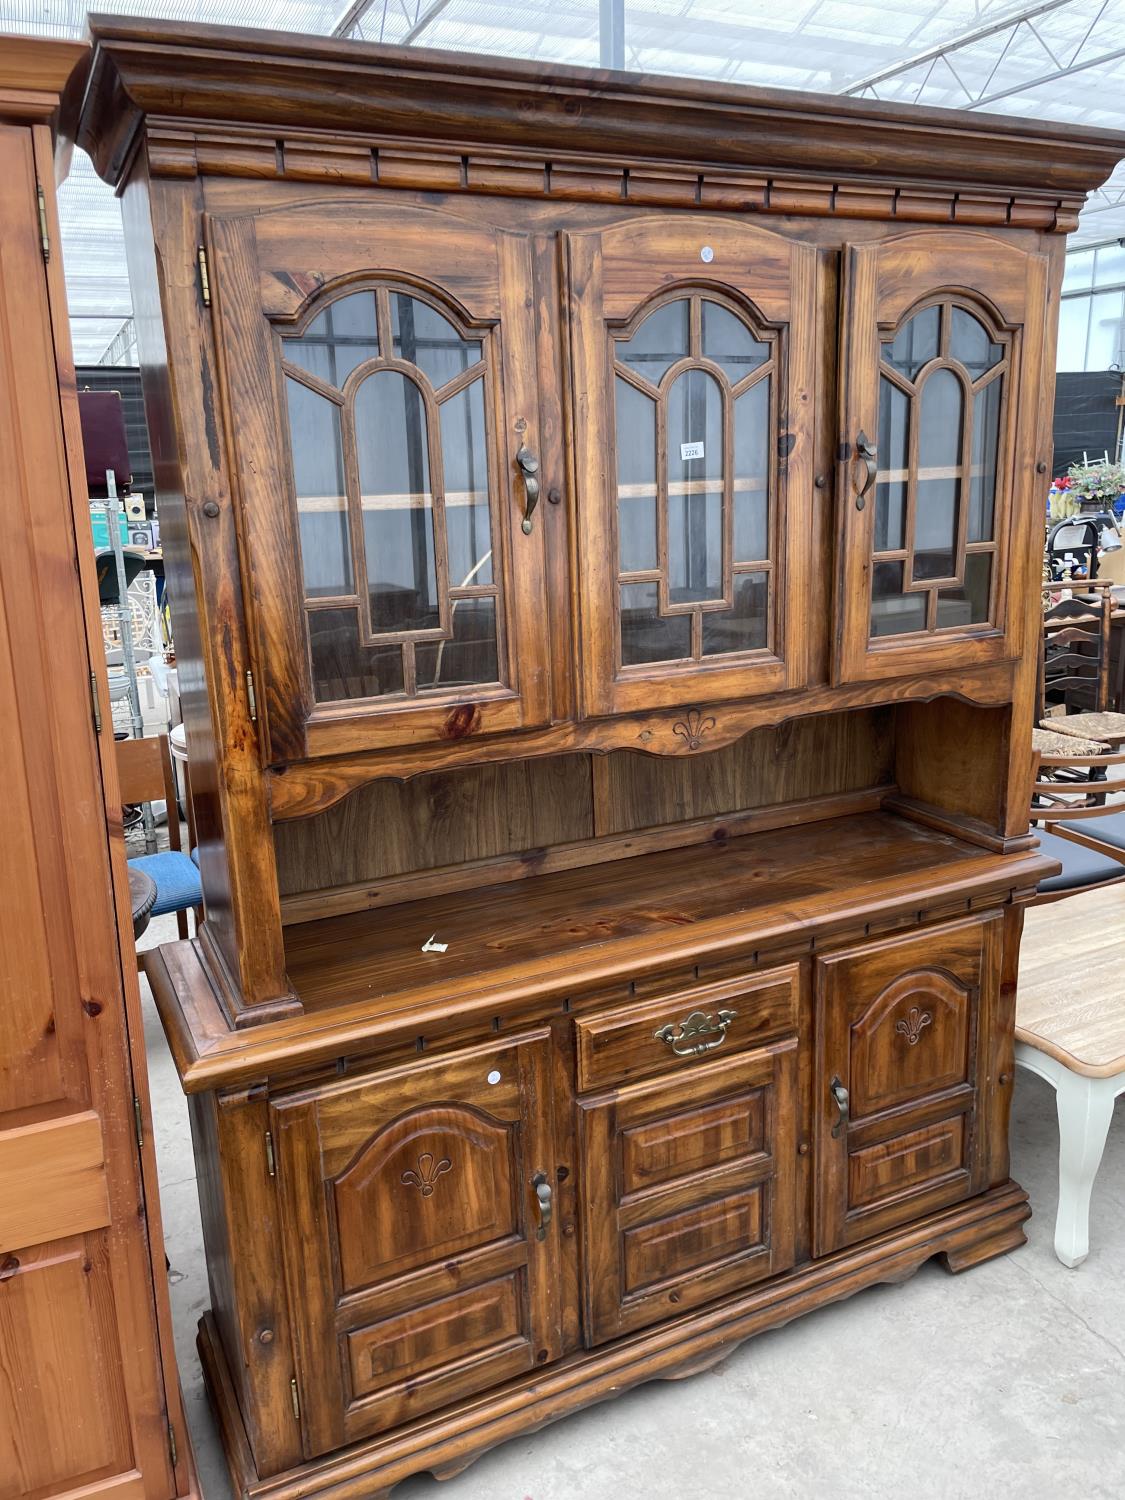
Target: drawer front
point(687, 1188)
point(674, 1033)
point(904, 1027)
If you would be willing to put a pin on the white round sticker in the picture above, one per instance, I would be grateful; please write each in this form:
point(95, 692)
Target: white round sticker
point(494, 1076)
point(707, 255)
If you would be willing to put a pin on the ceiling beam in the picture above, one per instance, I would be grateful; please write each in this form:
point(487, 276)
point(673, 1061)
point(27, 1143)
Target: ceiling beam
point(1011, 22)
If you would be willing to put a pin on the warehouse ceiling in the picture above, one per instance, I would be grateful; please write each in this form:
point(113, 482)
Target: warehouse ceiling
point(1060, 60)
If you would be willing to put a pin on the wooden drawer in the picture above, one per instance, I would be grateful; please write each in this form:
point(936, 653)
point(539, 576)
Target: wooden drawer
point(620, 1045)
point(688, 1188)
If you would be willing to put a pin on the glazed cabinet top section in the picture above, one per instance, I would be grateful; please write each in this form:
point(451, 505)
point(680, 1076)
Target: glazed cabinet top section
point(497, 465)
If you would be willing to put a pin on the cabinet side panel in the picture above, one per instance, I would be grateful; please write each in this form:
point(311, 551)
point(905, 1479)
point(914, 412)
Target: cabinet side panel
point(181, 405)
point(241, 1233)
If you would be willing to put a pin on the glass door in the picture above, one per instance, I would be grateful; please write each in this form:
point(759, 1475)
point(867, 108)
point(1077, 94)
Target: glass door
point(935, 458)
point(385, 439)
point(691, 362)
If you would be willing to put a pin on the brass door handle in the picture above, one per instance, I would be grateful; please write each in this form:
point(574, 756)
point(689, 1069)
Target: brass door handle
point(529, 468)
point(868, 452)
point(543, 1198)
point(840, 1100)
point(685, 1042)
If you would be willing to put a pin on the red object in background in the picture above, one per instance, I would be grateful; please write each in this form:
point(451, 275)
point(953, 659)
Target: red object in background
point(104, 441)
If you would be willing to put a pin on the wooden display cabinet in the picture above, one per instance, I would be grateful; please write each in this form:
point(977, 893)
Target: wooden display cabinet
point(604, 559)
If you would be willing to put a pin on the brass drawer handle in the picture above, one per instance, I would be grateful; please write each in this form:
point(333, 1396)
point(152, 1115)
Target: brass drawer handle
point(698, 1025)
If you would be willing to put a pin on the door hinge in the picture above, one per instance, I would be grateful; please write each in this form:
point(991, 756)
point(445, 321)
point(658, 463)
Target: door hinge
point(271, 1161)
point(293, 1396)
point(173, 1452)
point(204, 275)
point(95, 706)
point(44, 236)
point(138, 1122)
point(252, 697)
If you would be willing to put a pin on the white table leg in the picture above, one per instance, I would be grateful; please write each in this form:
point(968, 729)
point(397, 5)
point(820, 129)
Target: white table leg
point(1085, 1107)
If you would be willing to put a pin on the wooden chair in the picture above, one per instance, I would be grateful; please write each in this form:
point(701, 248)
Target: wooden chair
point(144, 770)
point(1074, 660)
point(1072, 1034)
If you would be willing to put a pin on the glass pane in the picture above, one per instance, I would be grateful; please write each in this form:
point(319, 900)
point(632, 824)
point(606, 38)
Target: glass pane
point(939, 476)
point(890, 493)
point(318, 477)
point(636, 477)
point(343, 336)
point(915, 343)
point(695, 501)
point(695, 546)
point(742, 628)
point(751, 473)
point(1074, 328)
point(968, 605)
point(969, 342)
point(471, 654)
point(658, 343)
point(645, 636)
point(398, 514)
point(1104, 346)
point(892, 611)
point(1109, 264)
point(425, 338)
point(464, 455)
point(341, 667)
point(728, 341)
point(986, 448)
point(1078, 274)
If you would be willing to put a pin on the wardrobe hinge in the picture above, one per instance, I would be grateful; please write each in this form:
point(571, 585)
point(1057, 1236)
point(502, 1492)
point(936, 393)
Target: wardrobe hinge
point(271, 1161)
point(95, 706)
point(44, 236)
point(138, 1123)
point(252, 697)
point(204, 275)
point(173, 1453)
point(295, 1398)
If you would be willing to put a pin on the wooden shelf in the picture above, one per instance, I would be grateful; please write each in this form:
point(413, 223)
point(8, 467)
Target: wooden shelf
point(365, 983)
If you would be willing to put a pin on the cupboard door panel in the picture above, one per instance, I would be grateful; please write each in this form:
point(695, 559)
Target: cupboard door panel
point(419, 1265)
point(392, 560)
point(692, 370)
point(688, 1188)
point(904, 1028)
point(941, 358)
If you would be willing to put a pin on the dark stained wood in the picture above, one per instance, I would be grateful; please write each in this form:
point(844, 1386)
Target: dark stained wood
point(963, 1235)
point(421, 1187)
point(199, 73)
point(620, 1046)
point(621, 925)
point(688, 1188)
point(905, 1028)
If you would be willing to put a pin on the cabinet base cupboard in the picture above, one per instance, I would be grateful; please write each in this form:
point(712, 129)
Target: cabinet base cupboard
point(602, 516)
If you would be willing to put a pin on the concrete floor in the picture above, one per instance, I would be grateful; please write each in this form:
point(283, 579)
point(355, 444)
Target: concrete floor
point(1012, 1374)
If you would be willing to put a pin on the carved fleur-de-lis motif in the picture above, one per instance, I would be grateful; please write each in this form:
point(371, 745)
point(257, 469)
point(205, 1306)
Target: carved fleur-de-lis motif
point(692, 728)
point(912, 1025)
point(428, 1172)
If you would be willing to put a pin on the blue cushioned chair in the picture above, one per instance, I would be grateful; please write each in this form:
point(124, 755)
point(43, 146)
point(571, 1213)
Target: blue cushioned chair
point(1076, 824)
point(144, 769)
